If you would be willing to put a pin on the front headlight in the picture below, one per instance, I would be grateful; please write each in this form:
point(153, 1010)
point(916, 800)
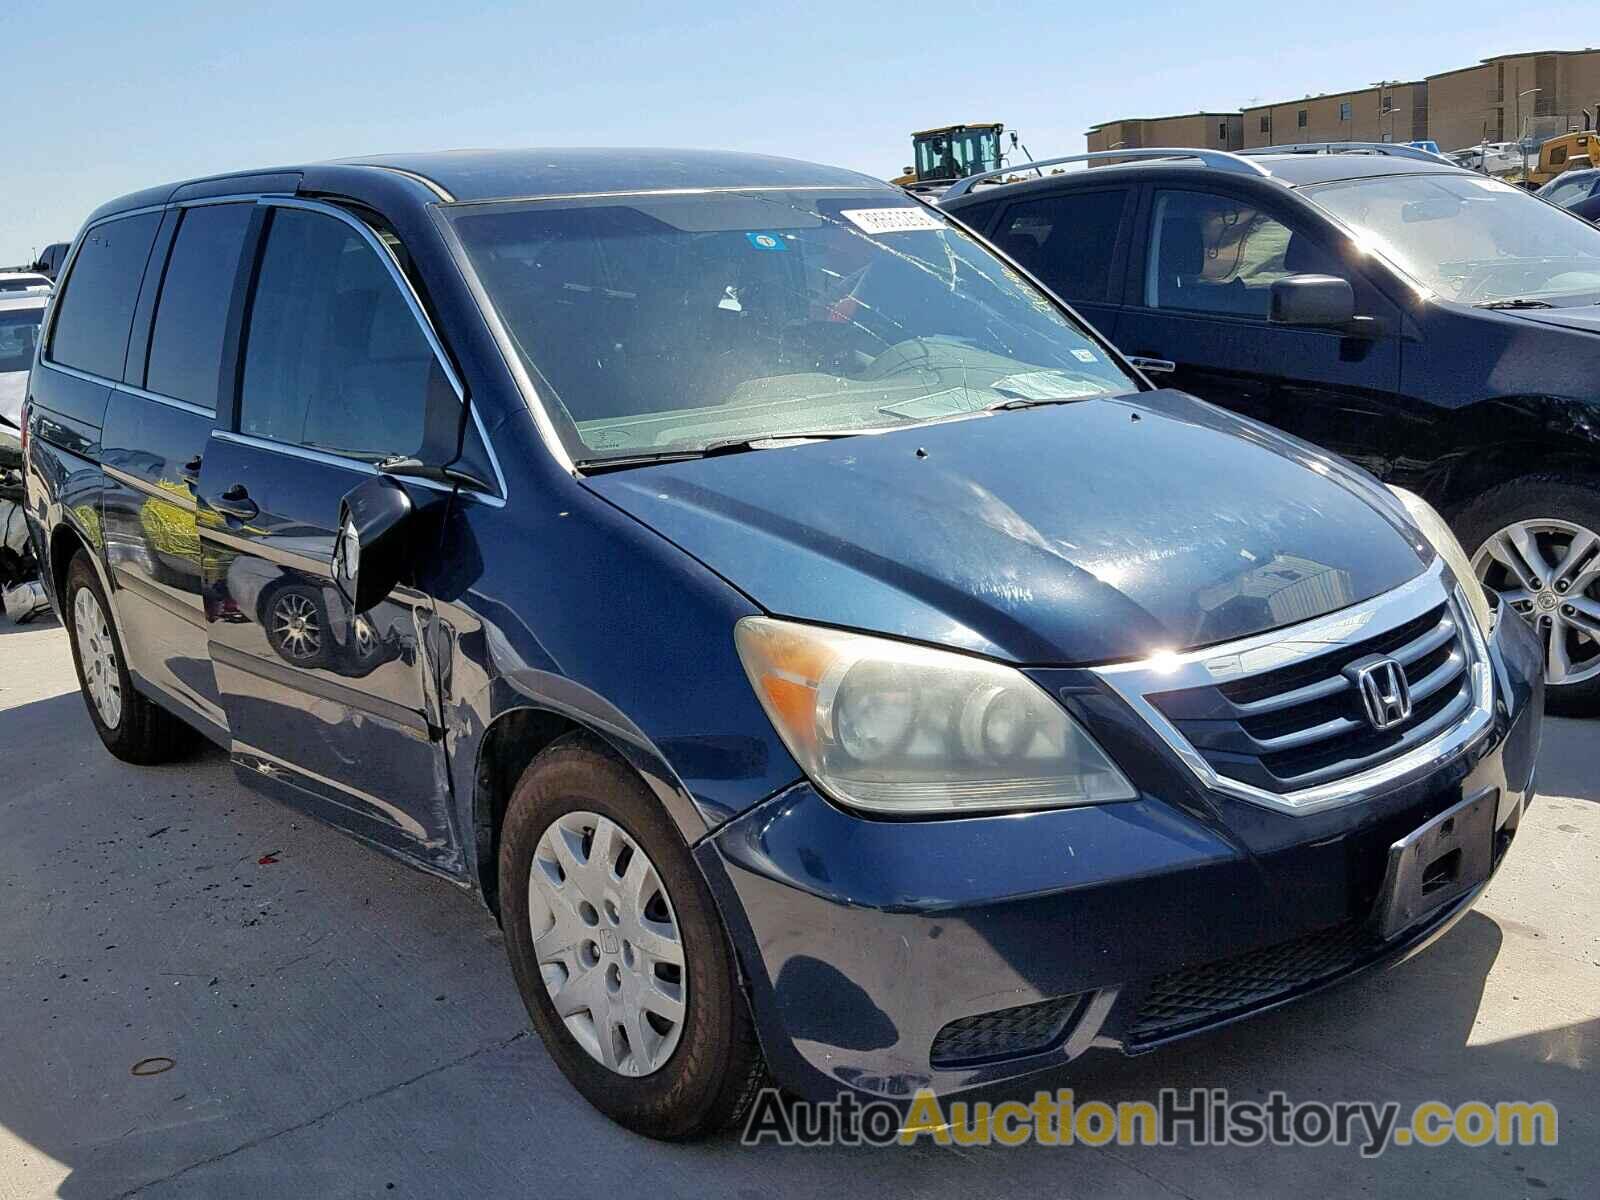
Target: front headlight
point(1449, 548)
point(896, 728)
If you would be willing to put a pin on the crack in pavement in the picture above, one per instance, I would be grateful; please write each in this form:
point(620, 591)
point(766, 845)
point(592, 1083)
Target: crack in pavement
point(320, 1117)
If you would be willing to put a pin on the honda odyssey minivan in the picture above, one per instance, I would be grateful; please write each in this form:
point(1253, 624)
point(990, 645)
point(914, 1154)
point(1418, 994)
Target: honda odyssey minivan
point(826, 656)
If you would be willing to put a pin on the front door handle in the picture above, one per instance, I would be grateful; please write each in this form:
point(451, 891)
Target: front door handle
point(1153, 366)
point(236, 502)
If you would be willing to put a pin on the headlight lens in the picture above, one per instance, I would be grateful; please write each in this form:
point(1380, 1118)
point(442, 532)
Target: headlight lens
point(895, 728)
point(1449, 547)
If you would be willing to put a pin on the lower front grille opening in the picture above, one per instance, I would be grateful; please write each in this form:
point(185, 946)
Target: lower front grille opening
point(1211, 992)
point(1006, 1033)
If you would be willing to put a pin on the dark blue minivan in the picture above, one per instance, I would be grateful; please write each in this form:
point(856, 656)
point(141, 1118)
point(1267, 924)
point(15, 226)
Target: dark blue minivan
point(823, 652)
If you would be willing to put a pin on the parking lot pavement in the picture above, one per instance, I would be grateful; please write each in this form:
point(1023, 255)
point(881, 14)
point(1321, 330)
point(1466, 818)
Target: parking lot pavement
point(342, 1026)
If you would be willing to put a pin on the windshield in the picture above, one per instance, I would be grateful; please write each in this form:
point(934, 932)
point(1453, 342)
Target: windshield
point(1470, 239)
point(19, 333)
point(666, 323)
point(23, 283)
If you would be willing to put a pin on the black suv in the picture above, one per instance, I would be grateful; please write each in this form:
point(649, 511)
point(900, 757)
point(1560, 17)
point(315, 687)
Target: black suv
point(1435, 326)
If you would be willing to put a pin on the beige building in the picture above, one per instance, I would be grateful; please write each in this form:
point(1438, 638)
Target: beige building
point(1392, 112)
point(1539, 94)
point(1215, 131)
point(1482, 102)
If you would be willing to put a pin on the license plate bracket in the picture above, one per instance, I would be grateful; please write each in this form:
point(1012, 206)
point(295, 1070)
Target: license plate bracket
point(1437, 863)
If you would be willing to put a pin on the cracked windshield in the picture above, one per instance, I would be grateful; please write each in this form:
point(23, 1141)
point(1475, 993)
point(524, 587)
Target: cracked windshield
point(667, 325)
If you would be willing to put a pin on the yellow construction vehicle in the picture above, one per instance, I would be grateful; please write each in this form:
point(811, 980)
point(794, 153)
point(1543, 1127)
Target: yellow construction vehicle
point(953, 152)
point(1569, 152)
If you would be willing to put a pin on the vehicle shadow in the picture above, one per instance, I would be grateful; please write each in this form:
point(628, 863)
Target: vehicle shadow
point(45, 620)
point(337, 1023)
point(1566, 759)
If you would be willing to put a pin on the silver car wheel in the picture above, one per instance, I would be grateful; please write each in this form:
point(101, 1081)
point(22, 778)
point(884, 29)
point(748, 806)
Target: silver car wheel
point(608, 943)
point(1549, 571)
point(296, 627)
point(98, 654)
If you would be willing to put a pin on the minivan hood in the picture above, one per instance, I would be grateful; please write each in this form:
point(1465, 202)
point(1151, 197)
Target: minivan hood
point(1103, 530)
point(1586, 317)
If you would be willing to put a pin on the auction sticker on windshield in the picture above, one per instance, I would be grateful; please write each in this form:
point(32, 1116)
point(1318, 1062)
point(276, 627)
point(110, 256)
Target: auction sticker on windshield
point(890, 220)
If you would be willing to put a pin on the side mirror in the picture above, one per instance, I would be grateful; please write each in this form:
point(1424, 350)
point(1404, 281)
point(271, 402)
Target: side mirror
point(1313, 301)
point(369, 549)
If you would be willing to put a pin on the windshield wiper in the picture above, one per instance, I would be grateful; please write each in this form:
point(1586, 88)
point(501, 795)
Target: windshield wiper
point(1514, 302)
point(737, 445)
point(767, 441)
point(1013, 402)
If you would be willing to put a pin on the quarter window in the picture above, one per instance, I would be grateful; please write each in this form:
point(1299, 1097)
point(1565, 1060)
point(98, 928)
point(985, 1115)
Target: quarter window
point(95, 309)
point(1215, 254)
point(192, 312)
point(1067, 241)
point(334, 358)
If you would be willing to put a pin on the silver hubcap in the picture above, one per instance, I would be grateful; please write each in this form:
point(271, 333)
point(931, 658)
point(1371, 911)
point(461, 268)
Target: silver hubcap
point(608, 943)
point(294, 624)
point(1549, 571)
point(98, 653)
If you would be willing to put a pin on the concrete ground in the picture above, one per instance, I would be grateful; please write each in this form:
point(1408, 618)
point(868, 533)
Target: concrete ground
point(342, 1026)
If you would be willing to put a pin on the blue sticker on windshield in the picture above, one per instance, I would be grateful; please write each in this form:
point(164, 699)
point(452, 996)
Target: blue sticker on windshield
point(765, 241)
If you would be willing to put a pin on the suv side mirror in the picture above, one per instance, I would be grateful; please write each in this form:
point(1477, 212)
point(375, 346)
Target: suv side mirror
point(1313, 302)
point(369, 550)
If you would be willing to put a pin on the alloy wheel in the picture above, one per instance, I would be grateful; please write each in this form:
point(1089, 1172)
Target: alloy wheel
point(1549, 572)
point(98, 654)
point(295, 626)
point(608, 943)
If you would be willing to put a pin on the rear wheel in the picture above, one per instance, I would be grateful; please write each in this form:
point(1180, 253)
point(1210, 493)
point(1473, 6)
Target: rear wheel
point(1537, 542)
point(132, 728)
point(618, 950)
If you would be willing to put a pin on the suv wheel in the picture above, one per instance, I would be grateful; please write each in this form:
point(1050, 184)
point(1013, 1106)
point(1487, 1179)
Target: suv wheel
point(132, 728)
point(1537, 542)
point(618, 949)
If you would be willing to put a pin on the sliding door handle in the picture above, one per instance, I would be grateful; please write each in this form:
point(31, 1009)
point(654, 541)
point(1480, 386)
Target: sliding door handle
point(236, 502)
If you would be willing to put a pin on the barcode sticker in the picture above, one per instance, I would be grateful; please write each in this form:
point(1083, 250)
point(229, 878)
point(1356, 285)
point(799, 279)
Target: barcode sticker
point(891, 220)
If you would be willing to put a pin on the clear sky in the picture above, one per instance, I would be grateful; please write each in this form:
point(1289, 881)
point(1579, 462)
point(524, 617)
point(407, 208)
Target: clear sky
point(106, 96)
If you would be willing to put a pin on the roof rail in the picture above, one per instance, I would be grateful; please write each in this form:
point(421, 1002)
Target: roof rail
point(1392, 149)
point(1222, 160)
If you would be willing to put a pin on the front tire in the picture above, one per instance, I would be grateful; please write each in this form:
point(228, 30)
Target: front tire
point(618, 950)
point(132, 727)
point(1536, 541)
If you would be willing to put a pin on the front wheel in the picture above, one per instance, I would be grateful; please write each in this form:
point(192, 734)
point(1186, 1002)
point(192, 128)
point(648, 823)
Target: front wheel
point(1536, 541)
point(618, 950)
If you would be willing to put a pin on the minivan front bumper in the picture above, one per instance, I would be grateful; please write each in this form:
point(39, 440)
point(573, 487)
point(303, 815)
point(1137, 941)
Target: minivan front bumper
point(887, 956)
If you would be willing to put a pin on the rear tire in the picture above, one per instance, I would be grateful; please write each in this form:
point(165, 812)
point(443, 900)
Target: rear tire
point(132, 727)
point(1545, 530)
point(709, 1077)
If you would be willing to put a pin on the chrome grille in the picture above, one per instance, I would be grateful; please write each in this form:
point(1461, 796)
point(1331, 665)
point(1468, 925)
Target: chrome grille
point(1305, 725)
point(1276, 720)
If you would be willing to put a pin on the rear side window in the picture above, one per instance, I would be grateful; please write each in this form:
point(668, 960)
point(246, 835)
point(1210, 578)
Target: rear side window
point(95, 309)
point(1067, 241)
point(192, 312)
point(334, 359)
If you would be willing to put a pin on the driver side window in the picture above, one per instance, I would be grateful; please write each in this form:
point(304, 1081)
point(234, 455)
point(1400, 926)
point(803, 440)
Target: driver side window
point(334, 358)
point(1220, 255)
